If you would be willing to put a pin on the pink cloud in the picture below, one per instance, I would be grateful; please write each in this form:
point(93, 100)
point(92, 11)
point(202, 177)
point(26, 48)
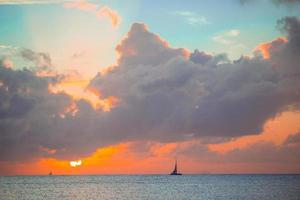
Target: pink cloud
point(111, 14)
point(100, 12)
point(81, 5)
point(7, 63)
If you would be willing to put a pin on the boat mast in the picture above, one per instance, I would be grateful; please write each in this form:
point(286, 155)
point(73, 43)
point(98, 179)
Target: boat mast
point(175, 169)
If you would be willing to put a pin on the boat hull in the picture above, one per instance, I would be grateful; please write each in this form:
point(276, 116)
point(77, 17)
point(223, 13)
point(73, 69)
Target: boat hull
point(176, 174)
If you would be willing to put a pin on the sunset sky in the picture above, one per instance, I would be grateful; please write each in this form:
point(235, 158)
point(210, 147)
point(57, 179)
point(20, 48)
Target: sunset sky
point(127, 87)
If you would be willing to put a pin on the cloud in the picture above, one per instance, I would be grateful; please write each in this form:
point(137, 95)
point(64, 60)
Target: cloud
point(42, 64)
point(16, 2)
point(81, 5)
point(40, 59)
point(200, 57)
point(8, 51)
point(231, 40)
point(6, 62)
point(268, 47)
point(227, 37)
point(284, 2)
point(192, 18)
point(5, 47)
point(110, 14)
point(161, 89)
point(99, 11)
point(293, 140)
point(165, 94)
point(24, 96)
point(39, 62)
point(264, 157)
point(233, 33)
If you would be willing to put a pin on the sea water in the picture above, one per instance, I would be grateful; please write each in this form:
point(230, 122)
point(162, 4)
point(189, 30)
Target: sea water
point(202, 187)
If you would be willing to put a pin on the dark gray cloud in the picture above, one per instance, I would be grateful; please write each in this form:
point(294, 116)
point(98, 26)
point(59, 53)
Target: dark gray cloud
point(200, 57)
point(286, 2)
point(263, 157)
point(40, 59)
point(203, 98)
point(165, 94)
point(293, 139)
point(24, 100)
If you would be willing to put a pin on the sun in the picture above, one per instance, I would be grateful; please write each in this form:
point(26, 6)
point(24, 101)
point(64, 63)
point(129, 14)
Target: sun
point(75, 163)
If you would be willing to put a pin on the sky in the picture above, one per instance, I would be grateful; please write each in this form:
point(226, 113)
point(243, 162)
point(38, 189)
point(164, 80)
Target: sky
point(127, 87)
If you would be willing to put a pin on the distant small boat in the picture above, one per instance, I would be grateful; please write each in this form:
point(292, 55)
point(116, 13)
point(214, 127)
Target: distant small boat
point(50, 173)
point(174, 172)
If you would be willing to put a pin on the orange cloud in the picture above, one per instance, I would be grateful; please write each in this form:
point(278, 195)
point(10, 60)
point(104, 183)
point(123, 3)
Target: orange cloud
point(108, 69)
point(78, 89)
point(158, 158)
point(268, 47)
point(70, 109)
point(108, 103)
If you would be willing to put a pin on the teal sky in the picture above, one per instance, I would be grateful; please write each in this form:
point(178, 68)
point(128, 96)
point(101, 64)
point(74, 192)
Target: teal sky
point(202, 24)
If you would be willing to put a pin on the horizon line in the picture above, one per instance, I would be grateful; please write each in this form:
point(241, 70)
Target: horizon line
point(150, 174)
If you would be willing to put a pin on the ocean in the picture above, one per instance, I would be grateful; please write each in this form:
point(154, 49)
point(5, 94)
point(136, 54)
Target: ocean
point(132, 187)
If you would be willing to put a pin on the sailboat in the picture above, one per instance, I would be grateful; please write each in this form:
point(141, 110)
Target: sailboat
point(174, 172)
point(50, 174)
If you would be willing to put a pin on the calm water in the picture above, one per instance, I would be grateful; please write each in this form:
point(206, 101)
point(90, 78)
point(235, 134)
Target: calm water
point(239, 187)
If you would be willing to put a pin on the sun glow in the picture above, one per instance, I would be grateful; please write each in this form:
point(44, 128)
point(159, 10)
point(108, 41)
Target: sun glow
point(75, 163)
point(276, 131)
point(78, 89)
